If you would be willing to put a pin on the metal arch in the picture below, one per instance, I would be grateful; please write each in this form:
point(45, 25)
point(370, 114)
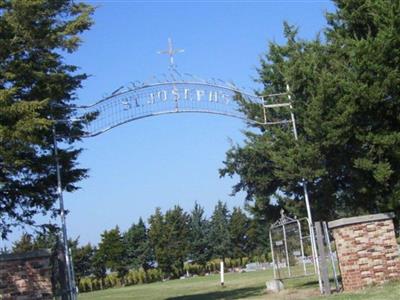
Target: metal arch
point(113, 95)
point(127, 104)
point(185, 111)
point(284, 220)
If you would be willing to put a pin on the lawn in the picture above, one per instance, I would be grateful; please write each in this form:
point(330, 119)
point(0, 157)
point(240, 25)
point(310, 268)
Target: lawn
point(250, 286)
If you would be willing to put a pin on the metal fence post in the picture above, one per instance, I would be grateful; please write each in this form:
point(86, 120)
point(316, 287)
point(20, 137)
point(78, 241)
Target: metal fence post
point(68, 260)
point(286, 250)
point(272, 253)
point(328, 241)
point(322, 259)
point(306, 199)
point(302, 247)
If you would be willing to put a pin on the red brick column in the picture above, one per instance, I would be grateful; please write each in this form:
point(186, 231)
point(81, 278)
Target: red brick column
point(25, 276)
point(367, 250)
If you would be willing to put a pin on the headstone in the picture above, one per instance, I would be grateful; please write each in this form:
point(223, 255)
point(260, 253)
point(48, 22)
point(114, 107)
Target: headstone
point(274, 286)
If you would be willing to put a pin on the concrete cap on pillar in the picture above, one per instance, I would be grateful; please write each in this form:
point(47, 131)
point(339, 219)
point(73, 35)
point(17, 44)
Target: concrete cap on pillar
point(360, 219)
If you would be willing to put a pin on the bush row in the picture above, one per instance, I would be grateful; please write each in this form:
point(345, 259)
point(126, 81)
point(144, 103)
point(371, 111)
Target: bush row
point(88, 284)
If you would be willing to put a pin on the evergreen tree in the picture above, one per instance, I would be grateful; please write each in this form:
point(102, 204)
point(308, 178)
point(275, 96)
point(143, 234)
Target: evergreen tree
point(99, 265)
point(82, 258)
point(157, 237)
point(50, 239)
point(169, 236)
point(238, 229)
point(24, 244)
point(177, 239)
point(138, 250)
point(111, 251)
point(42, 240)
point(200, 251)
point(345, 93)
point(258, 232)
point(220, 240)
point(37, 87)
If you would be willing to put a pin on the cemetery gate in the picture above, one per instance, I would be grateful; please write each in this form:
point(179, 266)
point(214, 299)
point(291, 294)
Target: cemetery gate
point(172, 93)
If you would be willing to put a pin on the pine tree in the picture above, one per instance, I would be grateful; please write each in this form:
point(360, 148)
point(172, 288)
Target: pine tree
point(111, 251)
point(99, 265)
point(41, 240)
point(345, 93)
point(177, 239)
point(157, 238)
point(258, 232)
point(24, 244)
point(238, 230)
point(82, 258)
point(219, 238)
point(37, 87)
point(137, 244)
point(169, 236)
point(200, 251)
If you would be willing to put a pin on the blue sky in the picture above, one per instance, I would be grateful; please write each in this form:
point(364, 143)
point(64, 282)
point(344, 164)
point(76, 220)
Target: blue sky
point(173, 159)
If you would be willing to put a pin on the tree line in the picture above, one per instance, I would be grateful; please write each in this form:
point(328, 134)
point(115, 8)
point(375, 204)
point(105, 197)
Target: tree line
point(343, 85)
point(168, 246)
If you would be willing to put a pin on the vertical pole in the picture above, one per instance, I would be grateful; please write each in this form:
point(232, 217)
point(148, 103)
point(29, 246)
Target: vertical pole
point(74, 286)
point(322, 259)
point(302, 248)
point(222, 272)
point(309, 216)
point(272, 253)
point(328, 241)
point(315, 256)
point(71, 288)
point(312, 234)
point(62, 271)
point(286, 250)
point(265, 111)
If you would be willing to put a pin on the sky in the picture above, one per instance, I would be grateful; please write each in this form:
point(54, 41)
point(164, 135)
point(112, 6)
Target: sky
point(172, 159)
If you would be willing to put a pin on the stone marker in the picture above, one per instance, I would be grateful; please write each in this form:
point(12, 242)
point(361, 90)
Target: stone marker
point(274, 286)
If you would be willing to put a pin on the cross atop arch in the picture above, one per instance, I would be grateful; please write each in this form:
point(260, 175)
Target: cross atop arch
point(171, 53)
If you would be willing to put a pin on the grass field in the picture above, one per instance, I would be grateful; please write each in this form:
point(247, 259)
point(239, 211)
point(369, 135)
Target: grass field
point(250, 286)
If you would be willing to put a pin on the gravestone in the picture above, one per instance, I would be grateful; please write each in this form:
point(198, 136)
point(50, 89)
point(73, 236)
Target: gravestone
point(274, 286)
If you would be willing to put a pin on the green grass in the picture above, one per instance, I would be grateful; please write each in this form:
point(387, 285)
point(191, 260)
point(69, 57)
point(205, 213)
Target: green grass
point(238, 286)
point(249, 286)
point(389, 291)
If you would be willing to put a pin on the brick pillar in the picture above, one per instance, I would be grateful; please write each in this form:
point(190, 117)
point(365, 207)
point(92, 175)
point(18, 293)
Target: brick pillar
point(367, 250)
point(25, 276)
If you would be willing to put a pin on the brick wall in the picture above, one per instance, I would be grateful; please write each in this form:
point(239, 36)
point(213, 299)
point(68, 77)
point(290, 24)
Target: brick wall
point(25, 276)
point(367, 250)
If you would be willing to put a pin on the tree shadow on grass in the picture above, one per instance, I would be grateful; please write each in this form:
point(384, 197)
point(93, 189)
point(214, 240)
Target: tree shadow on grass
point(224, 294)
point(308, 284)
